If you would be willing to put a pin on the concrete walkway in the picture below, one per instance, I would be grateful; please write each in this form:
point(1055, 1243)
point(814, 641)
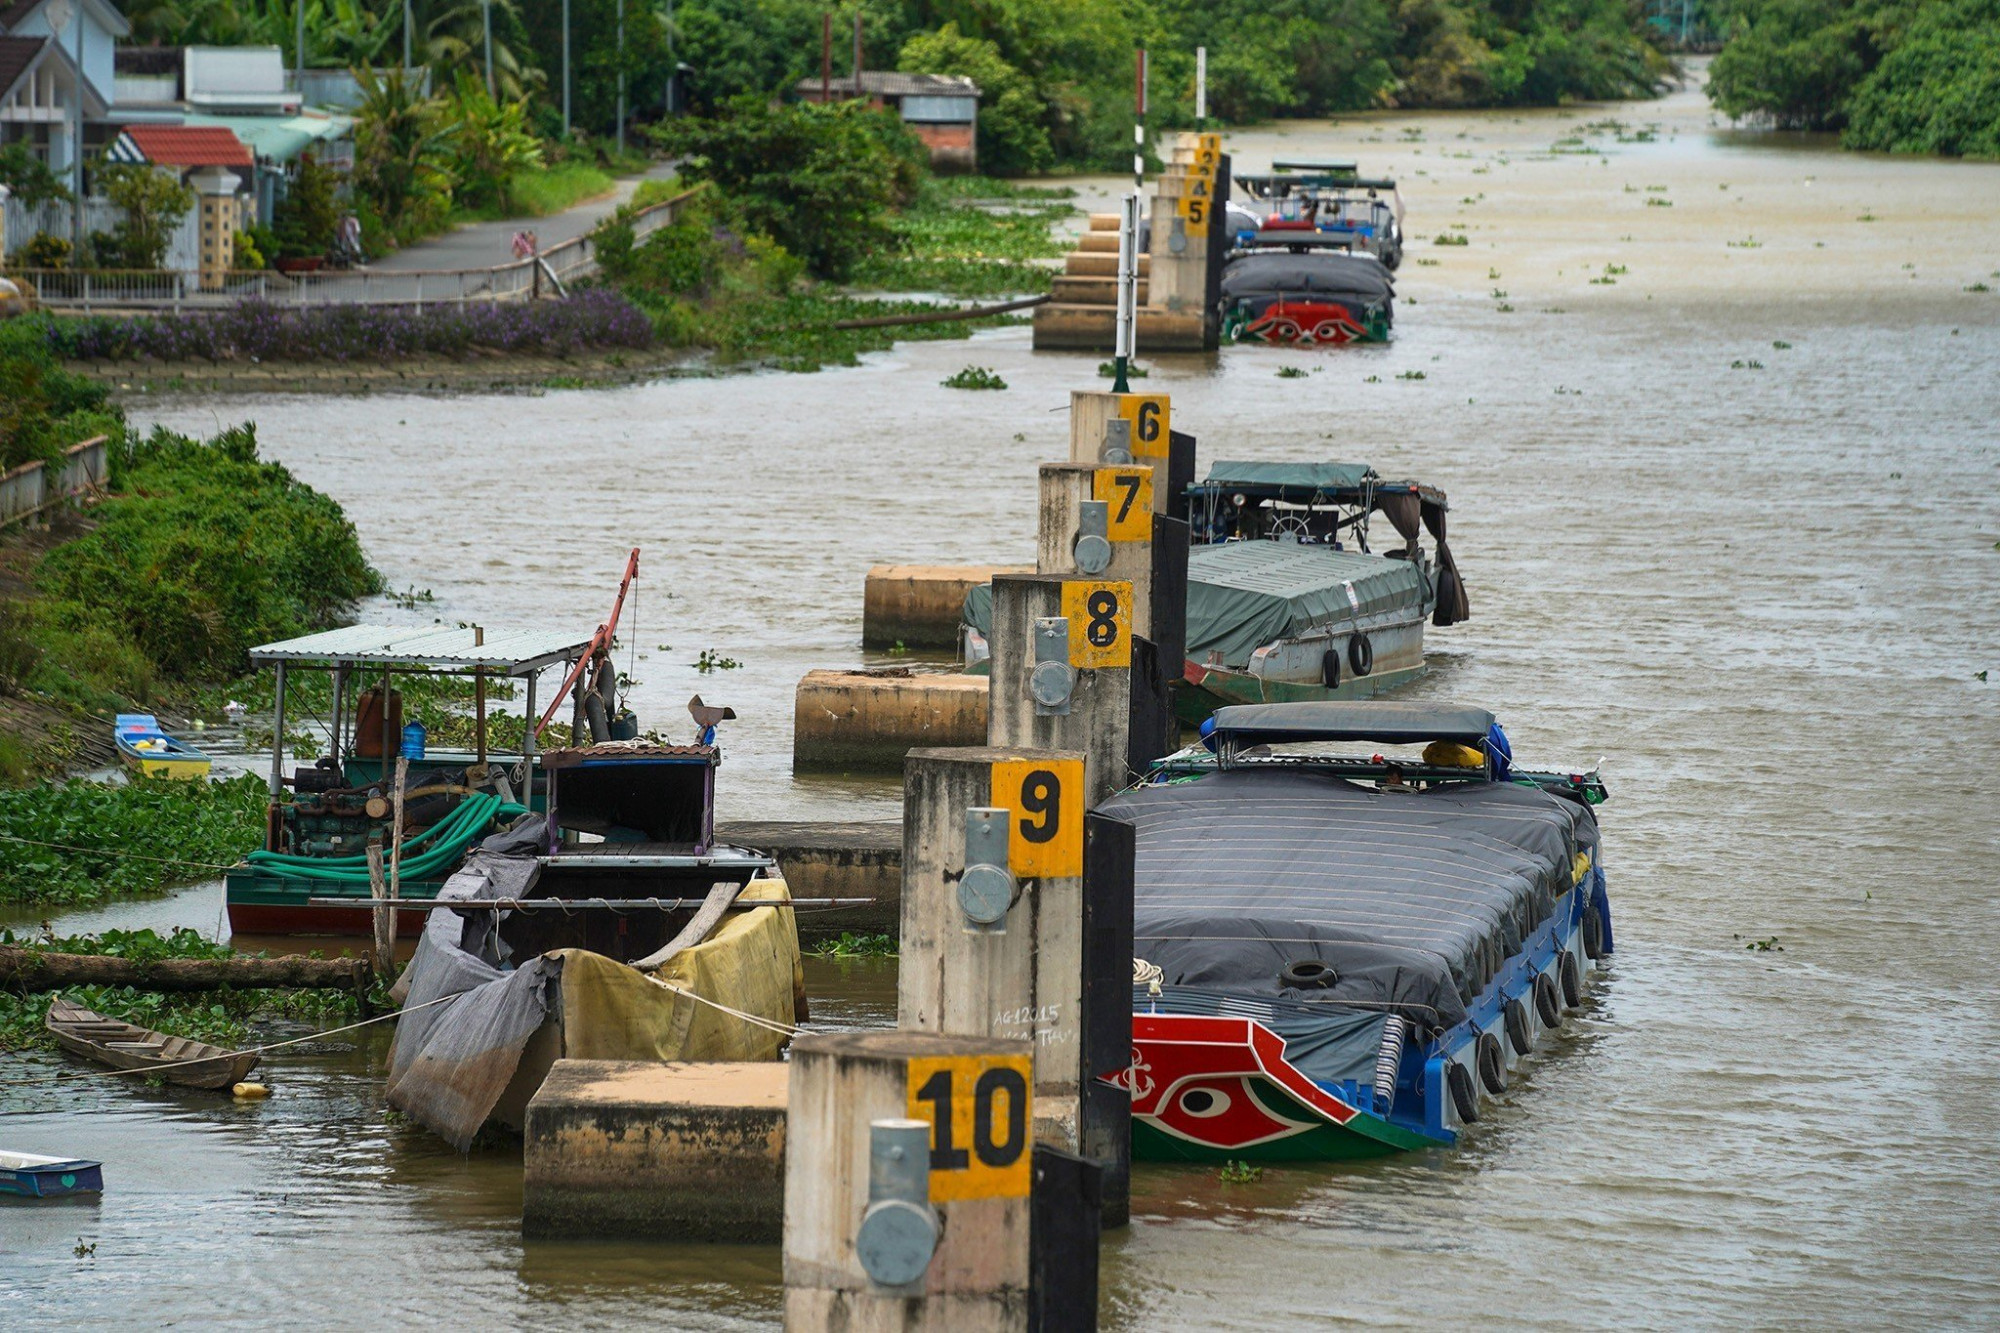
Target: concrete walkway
point(485, 244)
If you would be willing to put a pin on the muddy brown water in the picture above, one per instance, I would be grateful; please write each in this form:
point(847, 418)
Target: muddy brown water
point(1763, 593)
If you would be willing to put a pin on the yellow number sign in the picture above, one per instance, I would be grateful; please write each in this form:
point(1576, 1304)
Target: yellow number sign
point(1100, 624)
point(1128, 493)
point(1151, 418)
point(1045, 823)
point(981, 1140)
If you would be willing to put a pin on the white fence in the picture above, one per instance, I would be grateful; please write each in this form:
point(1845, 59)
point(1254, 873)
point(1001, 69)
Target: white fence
point(520, 280)
point(28, 489)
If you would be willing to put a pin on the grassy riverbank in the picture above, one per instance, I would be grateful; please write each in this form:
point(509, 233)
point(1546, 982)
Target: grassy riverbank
point(75, 843)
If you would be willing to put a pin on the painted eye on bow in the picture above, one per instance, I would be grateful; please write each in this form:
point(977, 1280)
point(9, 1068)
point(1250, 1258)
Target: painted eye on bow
point(1203, 1103)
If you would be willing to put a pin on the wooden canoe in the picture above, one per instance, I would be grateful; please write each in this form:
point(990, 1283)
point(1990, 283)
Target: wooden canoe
point(196, 1064)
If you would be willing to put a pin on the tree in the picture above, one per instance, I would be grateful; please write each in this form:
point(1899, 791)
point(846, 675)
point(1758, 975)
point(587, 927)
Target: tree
point(490, 141)
point(30, 179)
point(819, 180)
point(1012, 138)
point(154, 203)
point(402, 159)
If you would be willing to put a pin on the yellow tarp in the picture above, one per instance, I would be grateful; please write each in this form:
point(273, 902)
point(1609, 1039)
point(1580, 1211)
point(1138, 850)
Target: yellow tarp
point(750, 962)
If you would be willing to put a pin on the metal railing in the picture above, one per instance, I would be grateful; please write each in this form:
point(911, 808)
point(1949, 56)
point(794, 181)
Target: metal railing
point(546, 274)
point(28, 489)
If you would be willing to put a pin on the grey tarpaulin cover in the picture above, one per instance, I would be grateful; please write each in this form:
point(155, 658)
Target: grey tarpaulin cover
point(1243, 595)
point(1264, 272)
point(451, 1062)
point(1414, 898)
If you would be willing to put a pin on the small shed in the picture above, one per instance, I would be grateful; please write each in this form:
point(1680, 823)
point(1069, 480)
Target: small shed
point(941, 109)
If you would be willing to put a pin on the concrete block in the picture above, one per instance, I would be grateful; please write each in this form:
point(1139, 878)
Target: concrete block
point(1093, 328)
point(863, 720)
point(1094, 291)
point(685, 1152)
point(834, 860)
point(918, 605)
point(1081, 265)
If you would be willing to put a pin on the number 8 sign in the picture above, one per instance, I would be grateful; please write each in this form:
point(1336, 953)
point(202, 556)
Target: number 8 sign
point(1100, 623)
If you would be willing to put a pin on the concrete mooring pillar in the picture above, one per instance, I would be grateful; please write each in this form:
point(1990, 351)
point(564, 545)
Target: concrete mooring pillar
point(992, 939)
point(1062, 672)
point(907, 1178)
point(1097, 523)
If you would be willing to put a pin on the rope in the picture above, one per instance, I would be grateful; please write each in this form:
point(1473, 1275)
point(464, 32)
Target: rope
point(756, 1020)
point(268, 1046)
point(106, 851)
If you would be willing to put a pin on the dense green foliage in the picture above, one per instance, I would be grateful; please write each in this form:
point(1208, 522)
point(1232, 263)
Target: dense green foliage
point(970, 236)
point(154, 204)
point(141, 836)
point(220, 1017)
point(1907, 76)
point(205, 552)
point(818, 180)
point(43, 408)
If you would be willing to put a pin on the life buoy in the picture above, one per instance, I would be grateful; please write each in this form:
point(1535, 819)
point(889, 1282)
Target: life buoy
point(1464, 1097)
point(1308, 974)
point(1593, 933)
point(1329, 668)
point(1548, 1005)
point(1360, 654)
point(1492, 1064)
point(1515, 1019)
point(1570, 977)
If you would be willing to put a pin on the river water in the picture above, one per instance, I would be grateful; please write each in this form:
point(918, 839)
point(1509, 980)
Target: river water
point(1763, 592)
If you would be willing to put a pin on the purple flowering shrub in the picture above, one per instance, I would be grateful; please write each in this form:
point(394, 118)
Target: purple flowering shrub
point(592, 318)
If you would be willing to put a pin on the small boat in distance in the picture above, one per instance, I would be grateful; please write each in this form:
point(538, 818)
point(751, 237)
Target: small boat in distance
point(143, 746)
point(33, 1176)
point(109, 1041)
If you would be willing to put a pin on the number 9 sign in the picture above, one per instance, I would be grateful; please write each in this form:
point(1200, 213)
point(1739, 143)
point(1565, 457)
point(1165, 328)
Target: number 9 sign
point(1045, 823)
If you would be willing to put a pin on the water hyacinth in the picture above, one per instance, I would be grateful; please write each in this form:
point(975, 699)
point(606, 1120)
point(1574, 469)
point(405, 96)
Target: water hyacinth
point(254, 329)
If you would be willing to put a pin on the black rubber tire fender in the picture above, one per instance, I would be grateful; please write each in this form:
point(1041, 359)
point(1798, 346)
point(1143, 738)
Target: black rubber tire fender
point(1360, 654)
point(1548, 1004)
point(1308, 974)
point(1464, 1097)
point(1514, 1018)
point(1492, 1064)
point(1593, 933)
point(1329, 668)
point(1569, 977)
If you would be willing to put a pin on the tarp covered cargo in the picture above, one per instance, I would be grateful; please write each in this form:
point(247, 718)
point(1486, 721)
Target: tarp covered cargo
point(1359, 276)
point(1307, 477)
point(455, 1066)
point(1243, 595)
point(1414, 897)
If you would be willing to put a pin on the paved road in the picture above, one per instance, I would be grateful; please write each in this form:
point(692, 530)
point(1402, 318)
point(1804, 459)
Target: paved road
point(483, 244)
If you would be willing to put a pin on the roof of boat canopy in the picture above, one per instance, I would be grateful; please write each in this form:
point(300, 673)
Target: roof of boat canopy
point(1303, 482)
point(1353, 720)
point(440, 648)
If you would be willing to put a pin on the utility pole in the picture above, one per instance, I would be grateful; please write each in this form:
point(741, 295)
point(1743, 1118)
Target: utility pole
point(1200, 85)
point(621, 77)
point(857, 53)
point(565, 21)
point(826, 57)
point(76, 149)
point(486, 18)
point(298, 48)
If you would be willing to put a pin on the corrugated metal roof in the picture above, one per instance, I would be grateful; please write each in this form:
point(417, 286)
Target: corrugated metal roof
point(438, 648)
point(181, 146)
point(892, 83)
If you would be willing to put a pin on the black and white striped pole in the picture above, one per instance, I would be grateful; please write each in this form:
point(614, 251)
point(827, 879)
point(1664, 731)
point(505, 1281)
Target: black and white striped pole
point(1128, 241)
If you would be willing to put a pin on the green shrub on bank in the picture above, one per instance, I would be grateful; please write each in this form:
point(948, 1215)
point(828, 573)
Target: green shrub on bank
point(44, 409)
point(1893, 76)
point(142, 836)
point(204, 552)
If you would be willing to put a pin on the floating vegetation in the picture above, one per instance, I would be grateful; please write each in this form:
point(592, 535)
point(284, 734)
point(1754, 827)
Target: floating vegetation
point(1290, 373)
point(80, 842)
point(1377, 379)
point(1746, 365)
point(1747, 243)
point(1239, 1173)
point(1499, 295)
point(411, 599)
point(1657, 202)
point(1411, 375)
point(1574, 393)
point(1427, 263)
point(1554, 310)
point(711, 660)
point(1867, 217)
point(1493, 275)
point(1108, 370)
point(852, 945)
point(1504, 308)
point(1979, 287)
point(1656, 189)
point(1769, 944)
point(974, 377)
point(1446, 238)
point(1782, 345)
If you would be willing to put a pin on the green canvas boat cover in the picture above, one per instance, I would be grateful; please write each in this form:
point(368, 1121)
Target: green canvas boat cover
point(1292, 476)
point(1243, 595)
